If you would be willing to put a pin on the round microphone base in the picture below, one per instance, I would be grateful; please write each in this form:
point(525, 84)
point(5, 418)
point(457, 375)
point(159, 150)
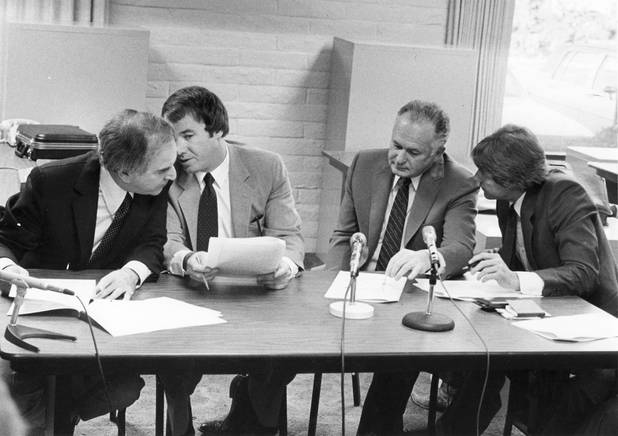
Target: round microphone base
point(354, 310)
point(434, 322)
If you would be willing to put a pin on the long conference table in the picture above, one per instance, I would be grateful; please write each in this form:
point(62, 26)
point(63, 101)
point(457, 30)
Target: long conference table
point(292, 328)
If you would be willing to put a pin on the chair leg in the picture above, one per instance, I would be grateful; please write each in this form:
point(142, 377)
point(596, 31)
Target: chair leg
point(356, 389)
point(122, 422)
point(315, 403)
point(283, 414)
point(118, 417)
point(508, 419)
point(159, 406)
point(433, 399)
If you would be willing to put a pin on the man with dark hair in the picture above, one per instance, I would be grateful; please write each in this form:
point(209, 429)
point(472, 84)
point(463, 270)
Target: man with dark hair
point(553, 244)
point(82, 213)
point(390, 194)
point(227, 191)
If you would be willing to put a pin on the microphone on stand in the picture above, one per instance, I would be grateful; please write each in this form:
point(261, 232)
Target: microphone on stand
point(358, 242)
point(427, 321)
point(429, 238)
point(15, 333)
point(354, 309)
point(31, 282)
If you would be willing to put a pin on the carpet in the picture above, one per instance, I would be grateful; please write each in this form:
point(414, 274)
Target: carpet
point(211, 401)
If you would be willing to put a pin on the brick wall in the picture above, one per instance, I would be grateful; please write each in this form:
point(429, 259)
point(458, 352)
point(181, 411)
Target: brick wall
point(269, 61)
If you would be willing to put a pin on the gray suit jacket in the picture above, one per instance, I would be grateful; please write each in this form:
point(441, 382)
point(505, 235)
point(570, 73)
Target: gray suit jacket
point(445, 199)
point(259, 186)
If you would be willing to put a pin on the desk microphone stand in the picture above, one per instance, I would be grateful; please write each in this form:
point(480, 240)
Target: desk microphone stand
point(427, 321)
point(354, 309)
point(16, 334)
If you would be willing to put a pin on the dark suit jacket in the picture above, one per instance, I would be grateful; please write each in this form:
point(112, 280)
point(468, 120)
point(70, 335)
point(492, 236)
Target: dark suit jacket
point(51, 223)
point(445, 199)
point(565, 242)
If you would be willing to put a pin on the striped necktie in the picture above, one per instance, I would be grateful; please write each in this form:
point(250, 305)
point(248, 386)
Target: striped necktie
point(104, 247)
point(391, 243)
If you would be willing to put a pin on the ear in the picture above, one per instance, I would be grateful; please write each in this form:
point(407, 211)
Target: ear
point(218, 135)
point(124, 176)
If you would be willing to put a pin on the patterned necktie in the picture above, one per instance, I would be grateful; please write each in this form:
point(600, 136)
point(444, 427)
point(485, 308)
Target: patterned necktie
point(391, 243)
point(519, 244)
point(207, 215)
point(105, 245)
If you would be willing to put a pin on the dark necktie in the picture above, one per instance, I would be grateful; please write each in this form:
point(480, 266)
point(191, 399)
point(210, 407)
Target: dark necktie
point(105, 245)
point(509, 239)
point(391, 243)
point(207, 215)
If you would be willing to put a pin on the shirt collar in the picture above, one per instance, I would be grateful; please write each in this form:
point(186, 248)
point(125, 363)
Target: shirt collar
point(113, 195)
point(517, 204)
point(219, 174)
point(414, 181)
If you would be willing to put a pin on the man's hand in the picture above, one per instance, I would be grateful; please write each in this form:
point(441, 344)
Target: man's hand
point(408, 263)
point(490, 266)
point(197, 269)
point(119, 282)
point(278, 279)
point(16, 269)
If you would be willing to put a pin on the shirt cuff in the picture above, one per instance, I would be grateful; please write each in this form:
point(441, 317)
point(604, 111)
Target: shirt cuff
point(530, 283)
point(140, 269)
point(176, 263)
point(291, 264)
point(6, 262)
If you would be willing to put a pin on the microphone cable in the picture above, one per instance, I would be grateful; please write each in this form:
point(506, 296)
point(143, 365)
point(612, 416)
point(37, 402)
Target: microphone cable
point(485, 348)
point(341, 351)
point(97, 356)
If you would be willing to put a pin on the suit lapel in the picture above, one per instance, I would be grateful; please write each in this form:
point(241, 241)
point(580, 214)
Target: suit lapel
point(382, 182)
point(241, 193)
point(187, 191)
point(85, 207)
point(424, 198)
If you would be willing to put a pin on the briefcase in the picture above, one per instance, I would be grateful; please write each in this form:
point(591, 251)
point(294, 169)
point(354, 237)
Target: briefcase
point(52, 141)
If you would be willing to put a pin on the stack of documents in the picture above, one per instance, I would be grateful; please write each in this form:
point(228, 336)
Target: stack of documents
point(245, 256)
point(468, 290)
point(120, 317)
point(117, 317)
point(574, 328)
point(372, 288)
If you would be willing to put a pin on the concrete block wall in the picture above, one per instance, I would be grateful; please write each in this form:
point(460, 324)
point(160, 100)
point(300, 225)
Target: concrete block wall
point(269, 61)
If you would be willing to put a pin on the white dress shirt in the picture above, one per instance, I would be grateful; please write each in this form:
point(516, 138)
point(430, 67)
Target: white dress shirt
point(530, 283)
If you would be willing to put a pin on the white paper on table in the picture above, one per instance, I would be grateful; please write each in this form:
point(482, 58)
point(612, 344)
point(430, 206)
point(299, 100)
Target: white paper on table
point(120, 317)
point(373, 288)
point(38, 300)
point(245, 256)
point(468, 290)
point(573, 328)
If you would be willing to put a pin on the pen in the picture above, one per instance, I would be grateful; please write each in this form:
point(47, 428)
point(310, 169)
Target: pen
point(259, 225)
point(205, 283)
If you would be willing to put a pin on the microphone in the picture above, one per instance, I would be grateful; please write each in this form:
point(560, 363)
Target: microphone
point(358, 241)
point(19, 280)
point(429, 238)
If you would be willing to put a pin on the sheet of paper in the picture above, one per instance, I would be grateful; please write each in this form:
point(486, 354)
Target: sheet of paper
point(38, 300)
point(120, 317)
point(245, 256)
point(573, 328)
point(468, 290)
point(372, 288)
